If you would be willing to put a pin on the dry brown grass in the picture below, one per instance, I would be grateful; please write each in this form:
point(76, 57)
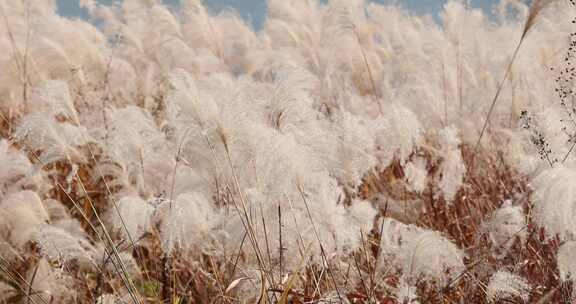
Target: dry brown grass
point(487, 184)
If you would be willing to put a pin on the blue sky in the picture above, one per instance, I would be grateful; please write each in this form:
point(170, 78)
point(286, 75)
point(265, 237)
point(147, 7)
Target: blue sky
point(254, 10)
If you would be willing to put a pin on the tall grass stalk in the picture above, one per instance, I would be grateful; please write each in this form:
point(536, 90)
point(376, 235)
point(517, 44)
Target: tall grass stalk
point(537, 7)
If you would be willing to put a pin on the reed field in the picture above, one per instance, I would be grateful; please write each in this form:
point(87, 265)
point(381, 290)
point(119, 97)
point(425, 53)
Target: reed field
point(346, 152)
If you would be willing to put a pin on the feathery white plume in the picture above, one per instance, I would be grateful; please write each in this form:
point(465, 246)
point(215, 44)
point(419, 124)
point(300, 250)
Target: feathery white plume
point(565, 258)
point(50, 285)
point(505, 226)
point(133, 218)
point(22, 212)
point(354, 150)
point(136, 144)
point(53, 97)
point(452, 167)
point(554, 200)
point(55, 140)
point(187, 222)
point(398, 134)
point(362, 213)
point(421, 253)
point(16, 167)
point(107, 261)
point(57, 244)
point(506, 285)
point(416, 174)
point(406, 293)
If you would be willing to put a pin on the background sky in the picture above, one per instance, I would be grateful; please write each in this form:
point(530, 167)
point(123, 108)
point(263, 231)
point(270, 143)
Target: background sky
point(255, 10)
